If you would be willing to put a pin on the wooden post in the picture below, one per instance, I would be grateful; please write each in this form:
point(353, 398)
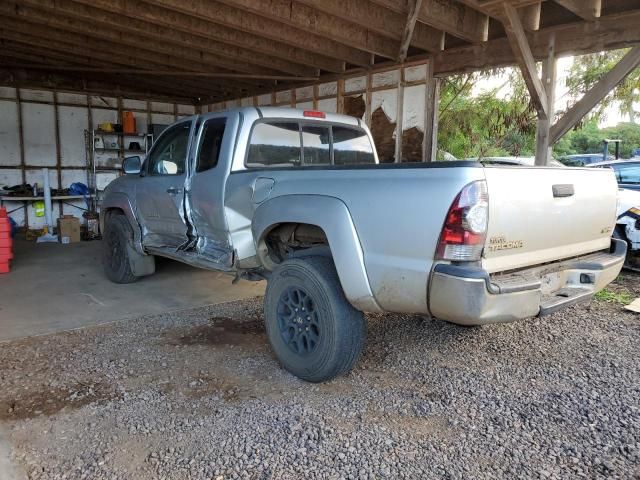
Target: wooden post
point(340, 96)
point(23, 161)
point(543, 148)
point(431, 110)
point(56, 117)
point(399, 117)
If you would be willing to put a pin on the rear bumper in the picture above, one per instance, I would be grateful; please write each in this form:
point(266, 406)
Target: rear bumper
point(470, 296)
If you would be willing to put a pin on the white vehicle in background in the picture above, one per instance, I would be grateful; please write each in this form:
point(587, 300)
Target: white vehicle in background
point(628, 226)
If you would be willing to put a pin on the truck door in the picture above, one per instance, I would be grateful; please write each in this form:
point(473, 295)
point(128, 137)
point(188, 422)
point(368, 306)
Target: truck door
point(160, 193)
point(205, 188)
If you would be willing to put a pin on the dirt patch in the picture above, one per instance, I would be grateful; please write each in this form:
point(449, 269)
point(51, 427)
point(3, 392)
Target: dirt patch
point(220, 331)
point(355, 106)
point(383, 132)
point(412, 145)
point(48, 401)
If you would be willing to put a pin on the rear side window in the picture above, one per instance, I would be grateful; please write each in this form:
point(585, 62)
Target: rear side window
point(209, 151)
point(316, 143)
point(275, 145)
point(351, 147)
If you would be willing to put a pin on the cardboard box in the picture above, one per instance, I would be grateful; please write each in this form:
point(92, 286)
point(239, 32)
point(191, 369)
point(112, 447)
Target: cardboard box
point(68, 229)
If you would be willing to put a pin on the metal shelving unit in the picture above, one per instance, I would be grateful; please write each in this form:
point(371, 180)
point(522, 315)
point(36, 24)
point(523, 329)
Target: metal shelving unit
point(112, 142)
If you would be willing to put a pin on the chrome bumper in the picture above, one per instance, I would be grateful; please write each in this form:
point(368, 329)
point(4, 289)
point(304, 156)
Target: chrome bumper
point(470, 296)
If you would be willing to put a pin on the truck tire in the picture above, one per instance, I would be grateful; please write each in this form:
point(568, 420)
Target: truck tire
point(314, 331)
point(115, 254)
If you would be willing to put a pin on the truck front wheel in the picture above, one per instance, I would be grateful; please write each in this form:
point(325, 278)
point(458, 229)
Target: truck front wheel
point(115, 254)
point(314, 331)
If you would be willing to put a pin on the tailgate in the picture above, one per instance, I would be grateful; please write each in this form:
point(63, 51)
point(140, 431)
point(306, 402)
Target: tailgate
point(539, 215)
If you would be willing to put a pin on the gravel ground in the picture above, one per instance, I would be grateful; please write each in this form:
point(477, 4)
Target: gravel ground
point(198, 395)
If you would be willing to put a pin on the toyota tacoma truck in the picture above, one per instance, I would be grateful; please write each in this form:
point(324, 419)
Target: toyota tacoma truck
point(298, 198)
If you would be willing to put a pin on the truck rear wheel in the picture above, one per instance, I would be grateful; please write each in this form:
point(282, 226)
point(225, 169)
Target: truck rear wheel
point(115, 254)
point(314, 331)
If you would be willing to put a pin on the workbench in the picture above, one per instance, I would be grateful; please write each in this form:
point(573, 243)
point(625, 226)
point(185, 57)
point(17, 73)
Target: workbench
point(65, 199)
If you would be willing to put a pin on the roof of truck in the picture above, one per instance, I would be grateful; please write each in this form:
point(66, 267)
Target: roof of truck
point(296, 113)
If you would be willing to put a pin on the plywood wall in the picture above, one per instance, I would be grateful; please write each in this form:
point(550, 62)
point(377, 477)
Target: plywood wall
point(43, 128)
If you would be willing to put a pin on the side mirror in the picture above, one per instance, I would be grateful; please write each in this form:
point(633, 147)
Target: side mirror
point(132, 165)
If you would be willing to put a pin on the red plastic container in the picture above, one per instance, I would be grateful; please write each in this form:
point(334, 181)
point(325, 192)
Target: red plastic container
point(128, 122)
point(6, 243)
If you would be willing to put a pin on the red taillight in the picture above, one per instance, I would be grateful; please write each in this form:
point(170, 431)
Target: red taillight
point(465, 227)
point(314, 114)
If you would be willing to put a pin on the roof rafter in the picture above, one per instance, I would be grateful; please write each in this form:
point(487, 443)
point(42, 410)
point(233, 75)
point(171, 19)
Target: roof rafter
point(586, 9)
point(130, 39)
point(44, 43)
point(305, 37)
point(384, 21)
point(100, 48)
point(108, 11)
point(450, 16)
point(91, 19)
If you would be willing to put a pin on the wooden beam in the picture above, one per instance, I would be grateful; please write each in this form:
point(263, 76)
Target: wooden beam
point(86, 19)
point(297, 15)
point(76, 85)
point(543, 150)
point(522, 50)
point(585, 9)
point(431, 114)
point(57, 49)
point(410, 26)
point(388, 22)
point(305, 35)
point(162, 73)
point(106, 51)
point(450, 16)
point(373, 17)
point(530, 16)
point(40, 21)
point(608, 82)
point(610, 32)
point(13, 52)
point(169, 24)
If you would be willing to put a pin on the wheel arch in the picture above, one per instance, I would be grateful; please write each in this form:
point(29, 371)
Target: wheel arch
point(331, 217)
point(119, 203)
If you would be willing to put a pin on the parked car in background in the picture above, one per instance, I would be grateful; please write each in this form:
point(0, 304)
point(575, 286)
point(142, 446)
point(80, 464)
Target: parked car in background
point(628, 226)
point(583, 159)
point(627, 172)
point(299, 198)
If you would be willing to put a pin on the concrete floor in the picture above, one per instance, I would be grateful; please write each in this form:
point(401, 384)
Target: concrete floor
point(54, 287)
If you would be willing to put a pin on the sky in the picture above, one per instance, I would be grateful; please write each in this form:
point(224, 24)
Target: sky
point(613, 116)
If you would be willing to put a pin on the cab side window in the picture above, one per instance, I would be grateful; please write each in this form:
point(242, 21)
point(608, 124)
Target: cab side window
point(169, 154)
point(210, 144)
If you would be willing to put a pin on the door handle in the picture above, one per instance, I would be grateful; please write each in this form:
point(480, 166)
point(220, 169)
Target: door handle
point(174, 190)
point(562, 190)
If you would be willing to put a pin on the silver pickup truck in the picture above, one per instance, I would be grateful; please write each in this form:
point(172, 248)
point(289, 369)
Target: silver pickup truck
point(298, 198)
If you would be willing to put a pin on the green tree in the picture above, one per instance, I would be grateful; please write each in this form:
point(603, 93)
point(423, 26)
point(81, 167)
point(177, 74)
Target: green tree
point(587, 70)
point(486, 125)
